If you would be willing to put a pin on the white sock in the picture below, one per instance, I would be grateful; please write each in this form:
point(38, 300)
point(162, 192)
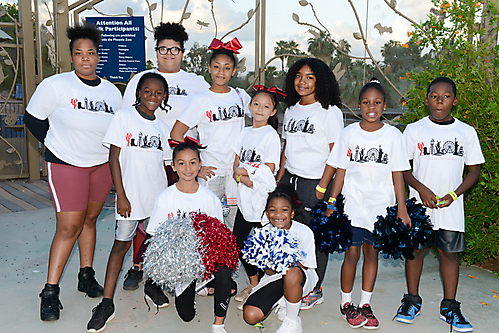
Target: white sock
point(365, 298)
point(292, 310)
point(215, 326)
point(345, 298)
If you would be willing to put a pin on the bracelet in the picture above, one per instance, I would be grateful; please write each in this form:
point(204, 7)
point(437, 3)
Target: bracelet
point(453, 195)
point(332, 200)
point(320, 189)
point(332, 207)
point(238, 179)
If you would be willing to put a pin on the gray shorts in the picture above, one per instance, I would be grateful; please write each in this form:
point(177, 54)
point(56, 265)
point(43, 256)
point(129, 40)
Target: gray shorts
point(126, 229)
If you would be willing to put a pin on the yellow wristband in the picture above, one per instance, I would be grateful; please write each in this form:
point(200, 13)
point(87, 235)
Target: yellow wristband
point(238, 179)
point(320, 189)
point(453, 195)
point(332, 200)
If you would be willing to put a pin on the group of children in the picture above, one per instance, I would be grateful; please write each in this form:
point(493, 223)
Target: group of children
point(369, 161)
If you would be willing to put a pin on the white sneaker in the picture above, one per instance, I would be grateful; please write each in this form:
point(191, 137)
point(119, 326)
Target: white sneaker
point(290, 326)
point(218, 329)
point(243, 295)
point(280, 309)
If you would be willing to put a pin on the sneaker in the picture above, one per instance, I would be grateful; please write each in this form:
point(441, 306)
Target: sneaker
point(290, 326)
point(218, 329)
point(372, 321)
point(101, 315)
point(450, 312)
point(155, 294)
point(315, 297)
point(88, 284)
point(280, 308)
point(409, 309)
point(132, 278)
point(351, 314)
point(243, 295)
point(50, 306)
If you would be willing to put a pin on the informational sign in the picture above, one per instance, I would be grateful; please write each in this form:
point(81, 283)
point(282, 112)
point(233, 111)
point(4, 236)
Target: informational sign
point(122, 51)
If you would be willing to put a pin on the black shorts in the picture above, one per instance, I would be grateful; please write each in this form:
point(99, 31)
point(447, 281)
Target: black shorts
point(447, 241)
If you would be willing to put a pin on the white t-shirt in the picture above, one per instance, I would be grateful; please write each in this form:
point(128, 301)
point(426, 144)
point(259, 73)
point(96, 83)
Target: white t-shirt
point(369, 159)
point(220, 120)
point(144, 147)
point(439, 153)
point(79, 116)
point(173, 203)
point(181, 87)
point(257, 146)
point(308, 131)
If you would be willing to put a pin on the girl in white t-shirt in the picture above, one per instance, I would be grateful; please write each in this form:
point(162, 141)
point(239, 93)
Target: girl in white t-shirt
point(369, 158)
point(218, 112)
point(178, 200)
point(257, 155)
point(299, 280)
point(312, 124)
point(138, 147)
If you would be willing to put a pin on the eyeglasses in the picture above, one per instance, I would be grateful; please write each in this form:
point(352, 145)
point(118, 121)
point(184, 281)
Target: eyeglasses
point(163, 50)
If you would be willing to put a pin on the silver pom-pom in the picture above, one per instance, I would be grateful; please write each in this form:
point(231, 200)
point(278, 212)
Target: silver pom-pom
point(172, 257)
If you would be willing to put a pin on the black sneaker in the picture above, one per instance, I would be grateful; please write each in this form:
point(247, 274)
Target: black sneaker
point(87, 283)
point(154, 293)
point(101, 315)
point(409, 309)
point(133, 278)
point(450, 312)
point(50, 306)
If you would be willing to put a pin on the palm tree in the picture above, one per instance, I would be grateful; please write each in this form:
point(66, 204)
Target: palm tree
point(287, 47)
point(321, 47)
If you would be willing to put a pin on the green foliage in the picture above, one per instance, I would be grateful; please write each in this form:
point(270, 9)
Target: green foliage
point(461, 50)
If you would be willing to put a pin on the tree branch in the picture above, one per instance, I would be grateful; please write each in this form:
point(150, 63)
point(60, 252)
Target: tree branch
point(245, 23)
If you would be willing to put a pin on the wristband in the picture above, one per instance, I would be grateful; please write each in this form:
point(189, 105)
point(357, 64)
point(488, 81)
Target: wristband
point(453, 195)
point(320, 189)
point(238, 179)
point(332, 207)
point(332, 200)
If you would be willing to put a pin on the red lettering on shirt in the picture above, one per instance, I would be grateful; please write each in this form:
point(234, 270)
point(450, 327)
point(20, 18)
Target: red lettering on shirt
point(170, 215)
point(128, 136)
point(254, 164)
point(209, 114)
point(349, 152)
point(420, 147)
point(74, 102)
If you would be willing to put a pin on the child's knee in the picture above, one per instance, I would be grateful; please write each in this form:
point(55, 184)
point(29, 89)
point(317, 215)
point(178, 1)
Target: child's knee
point(120, 246)
point(187, 316)
point(294, 276)
point(252, 315)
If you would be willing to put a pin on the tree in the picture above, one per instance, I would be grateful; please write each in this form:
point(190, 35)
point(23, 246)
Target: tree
point(321, 47)
point(287, 47)
point(197, 59)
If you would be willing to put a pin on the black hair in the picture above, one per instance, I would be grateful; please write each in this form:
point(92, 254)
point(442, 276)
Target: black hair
point(327, 90)
point(185, 146)
point(147, 76)
point(272, 121)
point(285, 191)
point(228, 53)
point(84, 31)
point(373, 84)
point(174, 31)
point(443, 79)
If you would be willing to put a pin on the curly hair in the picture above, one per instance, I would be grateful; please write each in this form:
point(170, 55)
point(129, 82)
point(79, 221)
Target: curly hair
point(84, 31)
point(154, 76)
point(174, 31)
point(373, 84)
point(327, 90)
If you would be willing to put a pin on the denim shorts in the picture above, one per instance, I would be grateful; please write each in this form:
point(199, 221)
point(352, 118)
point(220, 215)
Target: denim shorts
point(361, 235)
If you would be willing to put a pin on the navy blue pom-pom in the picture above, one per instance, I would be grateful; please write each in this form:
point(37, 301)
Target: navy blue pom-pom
point(332, 233)
point(394, 238)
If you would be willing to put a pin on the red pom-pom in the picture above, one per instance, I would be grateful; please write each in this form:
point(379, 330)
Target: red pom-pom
point(218, 244)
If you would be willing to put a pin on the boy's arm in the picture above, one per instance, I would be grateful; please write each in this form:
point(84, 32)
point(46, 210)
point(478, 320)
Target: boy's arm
point(428, 198)
point(470, 180)
point(399, 187)
point(123, 206)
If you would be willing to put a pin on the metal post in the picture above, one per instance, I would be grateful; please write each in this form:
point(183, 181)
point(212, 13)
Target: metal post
point(61, 23)
point(262, 40)
point(257, 40)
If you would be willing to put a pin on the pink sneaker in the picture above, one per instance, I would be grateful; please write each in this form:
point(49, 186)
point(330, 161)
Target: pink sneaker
point(352, 315)
point(372, 322)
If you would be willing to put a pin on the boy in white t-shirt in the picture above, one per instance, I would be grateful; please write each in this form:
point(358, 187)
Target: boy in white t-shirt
point(440, 146)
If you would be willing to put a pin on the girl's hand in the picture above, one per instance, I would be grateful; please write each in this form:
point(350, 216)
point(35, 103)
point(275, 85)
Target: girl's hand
point(328, 212)
point(123, 206)
point(428, 198)
point(405, 218)
point(446, 201)
point(319, 195)
point(207, 172)
point(270, 272)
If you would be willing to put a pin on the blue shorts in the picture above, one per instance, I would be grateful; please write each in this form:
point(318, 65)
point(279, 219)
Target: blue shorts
point(361, 235)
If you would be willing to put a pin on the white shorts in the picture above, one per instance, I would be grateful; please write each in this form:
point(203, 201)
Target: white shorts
point(126, 229)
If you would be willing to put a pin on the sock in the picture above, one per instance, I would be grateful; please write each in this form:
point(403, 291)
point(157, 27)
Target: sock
point(345, 298)
point(365, 298)
point(292, 310)
point(106, 302)
point(215, 326)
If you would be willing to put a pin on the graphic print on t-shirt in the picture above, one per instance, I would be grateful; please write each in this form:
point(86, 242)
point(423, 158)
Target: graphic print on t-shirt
point(249, 155)
point(98, 106)
point(181, 214)
point(438, 149)
point(364, 155)
point(143, 141)
point(177, 91)
point(302, 125)
point(224, 114)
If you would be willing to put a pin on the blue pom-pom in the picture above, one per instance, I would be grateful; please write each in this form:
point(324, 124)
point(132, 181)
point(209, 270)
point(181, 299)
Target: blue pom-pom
point(332, 233)
point(394, 238)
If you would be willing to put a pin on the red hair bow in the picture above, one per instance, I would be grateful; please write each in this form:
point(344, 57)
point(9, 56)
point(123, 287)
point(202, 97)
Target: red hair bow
point(273, 90)
point(187, 139)
point(233, 45)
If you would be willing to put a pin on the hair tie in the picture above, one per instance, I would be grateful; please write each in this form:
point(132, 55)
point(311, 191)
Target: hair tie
point(273, 90)
point(233, 45)
point(188, 140)
point(375, 81)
